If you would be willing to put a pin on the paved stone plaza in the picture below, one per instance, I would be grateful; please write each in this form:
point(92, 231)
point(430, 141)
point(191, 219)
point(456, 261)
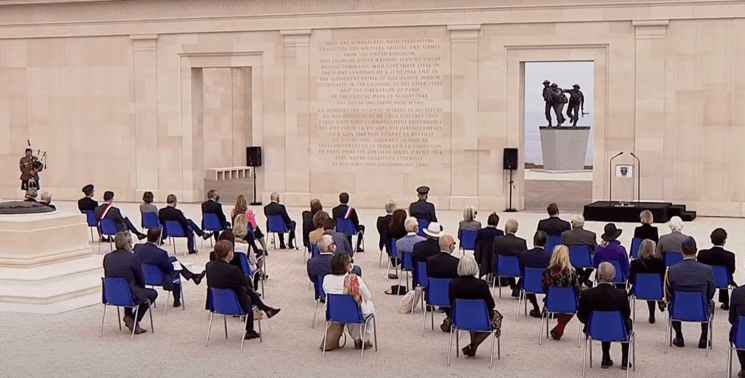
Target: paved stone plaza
point(68, 344)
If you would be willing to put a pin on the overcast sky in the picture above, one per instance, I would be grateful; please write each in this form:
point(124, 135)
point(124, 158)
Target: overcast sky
point(565, 74)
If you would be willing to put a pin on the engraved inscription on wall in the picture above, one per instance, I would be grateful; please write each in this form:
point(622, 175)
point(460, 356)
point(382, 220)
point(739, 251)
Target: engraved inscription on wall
point(379, 104)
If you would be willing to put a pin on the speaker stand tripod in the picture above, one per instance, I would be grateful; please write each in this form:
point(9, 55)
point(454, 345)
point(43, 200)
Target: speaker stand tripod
point(255, 203)
point(510, 209)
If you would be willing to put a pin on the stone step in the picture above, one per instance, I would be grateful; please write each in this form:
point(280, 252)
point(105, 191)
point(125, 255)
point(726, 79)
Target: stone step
point(52, 273)
point(51, 292)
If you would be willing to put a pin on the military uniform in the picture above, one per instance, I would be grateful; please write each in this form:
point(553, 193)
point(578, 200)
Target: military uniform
point(27, 171)
point(576, 100)
point(548, 97)
point(422, 209)
point(559, 101)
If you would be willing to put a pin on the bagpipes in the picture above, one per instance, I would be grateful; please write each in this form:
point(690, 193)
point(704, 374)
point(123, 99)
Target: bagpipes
point(39, 158)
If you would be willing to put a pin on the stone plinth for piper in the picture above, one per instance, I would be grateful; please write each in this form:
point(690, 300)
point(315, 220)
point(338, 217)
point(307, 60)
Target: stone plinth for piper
point(46, 264)
point(564, 148)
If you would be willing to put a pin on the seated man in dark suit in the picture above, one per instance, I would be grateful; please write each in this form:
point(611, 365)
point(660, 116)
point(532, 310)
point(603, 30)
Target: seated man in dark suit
point(443, 265)
point(485, 243)
point(171, 213)
point(384, 223)
point(606, 297)
point(736, 310)
point(150, 253)
point(222, 275)
point(553, 225)
point(690, 276)
point(212, 206)
point(320, 265)
point(537, 257)
point(109, 211)
point(510, 245)
point(717, 255)
point(344, 211)
point(123, 264)
point(275, 208)
point(579, 236)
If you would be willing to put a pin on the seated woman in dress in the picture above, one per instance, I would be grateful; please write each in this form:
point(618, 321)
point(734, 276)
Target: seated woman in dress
point(469, 221)
point(646, 230)
point(648, 263)
point(308, 226)
point(341, 280)
point(240, 229)
point(241, 207)
point(147, 206)
point(610, 250)
point(318, 219)
point(467, 286)
point(560, 273)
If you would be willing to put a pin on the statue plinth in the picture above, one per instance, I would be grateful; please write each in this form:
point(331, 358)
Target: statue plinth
point(564, 148)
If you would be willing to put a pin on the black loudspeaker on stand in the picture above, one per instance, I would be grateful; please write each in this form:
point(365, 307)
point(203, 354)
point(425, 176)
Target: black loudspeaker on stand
point(253, 159)
point(510, 163)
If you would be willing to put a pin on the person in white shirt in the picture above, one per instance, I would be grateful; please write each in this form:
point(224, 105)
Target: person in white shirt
point(338, 282)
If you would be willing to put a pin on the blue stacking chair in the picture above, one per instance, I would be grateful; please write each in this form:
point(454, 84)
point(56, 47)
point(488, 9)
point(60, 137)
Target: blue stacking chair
point(90, 218)
point(406, 266)
point(346, 226)
point(648, 287)
point(276, 225)
point(721, 277)
point(172, 229)
point(437, 293)
point(319, 294)
point(471, 315)
point(736, 341)
point(210, 222)
point(392, 253)
point(551, 242)
point(224, 302)
point(688, 307)
point(108, 229)
point(468, 240)
point(246, 269)
point(608, 326)
point(420, 280)
point(507, 267)
point(343, 309)
point(580, 256)
point(154, 277)
point(559, 300)
point(149, 220)
point(672, 257)
point(116, 293)
point(635, 244)
point(423, 224)
point(530, 283)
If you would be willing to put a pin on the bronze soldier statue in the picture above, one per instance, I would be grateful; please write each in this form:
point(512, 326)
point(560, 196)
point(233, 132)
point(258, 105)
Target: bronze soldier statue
point(548, 96)
point(576, 101)
point(559, 101)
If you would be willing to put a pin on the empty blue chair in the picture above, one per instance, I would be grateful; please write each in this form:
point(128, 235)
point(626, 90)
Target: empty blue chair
point(224, 302)
point(736, 341)
point(90, 219)
point(530, 283)
point(437, 293)
point(688, 307)
point(406, 266)
point(551, 242)
point(276, 225)
point(346, 226)
point(648, 287)
point(580, 256)
point(471, 315)
point(608, 326)
point(635, 244)
point(392, 253)
point(559, 300)
point(154, 277)
point(506, 267)
point(108, 229)
point(172, 229)
point(211, 222)
point(319, 294)
point(116, 293)
point(672, 257)
point(246, 269)
point(721, 277)
point(149, 220)
point(420, 280)
point(468, 239)
point(423, 224)
point(343, 309)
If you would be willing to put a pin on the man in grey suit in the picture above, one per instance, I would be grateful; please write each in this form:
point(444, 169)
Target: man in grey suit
point(510, 245)
point(693, 277)
point(579, 236)
point(673, 240)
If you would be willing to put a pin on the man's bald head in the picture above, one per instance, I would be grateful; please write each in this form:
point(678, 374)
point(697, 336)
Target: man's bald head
point(447, 243)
